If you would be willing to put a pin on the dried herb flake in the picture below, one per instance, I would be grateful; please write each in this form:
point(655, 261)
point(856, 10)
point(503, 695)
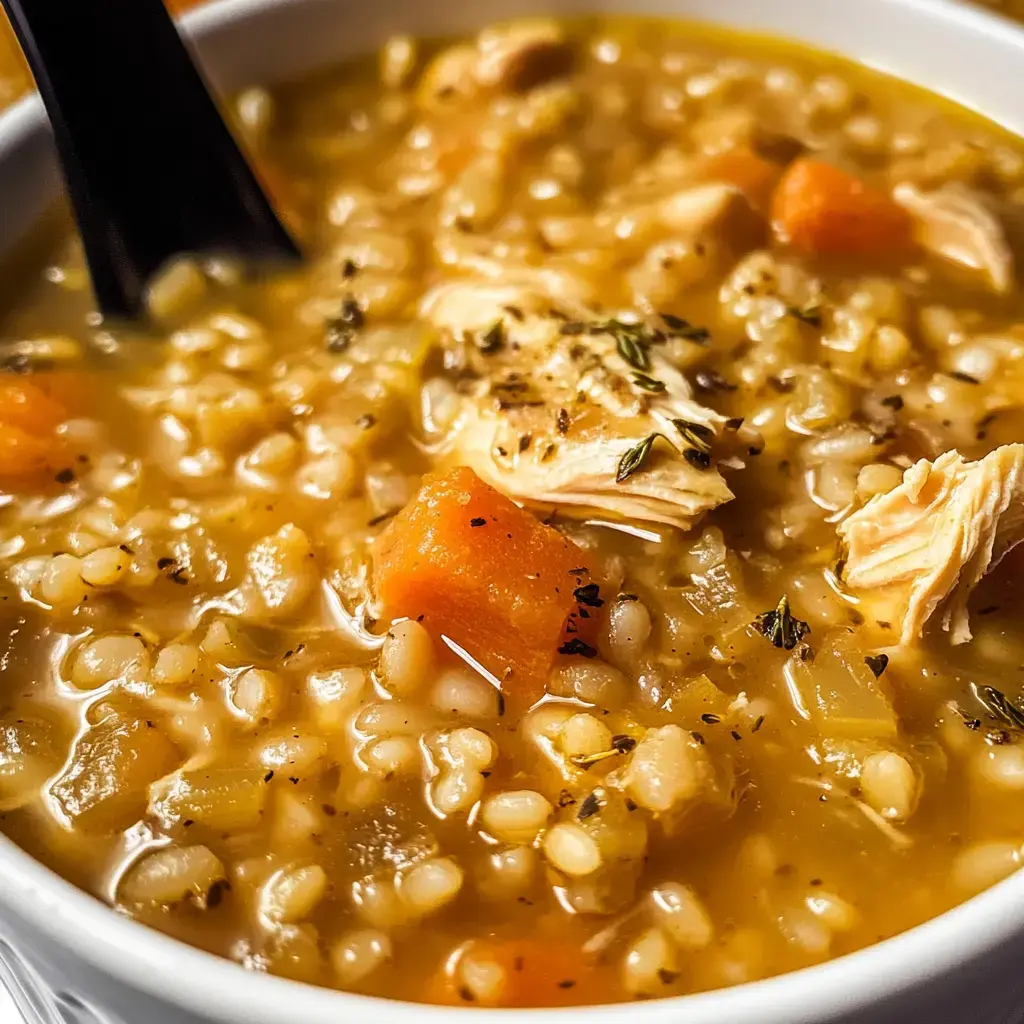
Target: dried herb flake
point(711, 381)
point(590, 806)
point(589, 594)
point(696, 435)
point(780, 628)
point(650, 384)
point(877, 663)
point(576, 646)
point(623, 744)
point(635, 457)
point(697, 458)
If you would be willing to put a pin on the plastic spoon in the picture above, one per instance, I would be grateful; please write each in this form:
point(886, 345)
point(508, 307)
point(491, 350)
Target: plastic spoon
point(150, 166)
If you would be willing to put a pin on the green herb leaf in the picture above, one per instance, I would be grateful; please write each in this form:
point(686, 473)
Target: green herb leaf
point(641, 380)
point(696, 435)
point(780, 628)
point(999, 706)
point(698, 335)
point(632, 340)
point(635, 457)
point(633, 351)
point(697, 458)
point(680, 328)
point(675, 323)
point(590, 806)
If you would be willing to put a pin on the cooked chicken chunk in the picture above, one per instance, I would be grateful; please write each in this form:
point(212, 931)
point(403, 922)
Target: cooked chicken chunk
point(513, 56)
point(925, 544)
point(555, 405)
point(957, 224)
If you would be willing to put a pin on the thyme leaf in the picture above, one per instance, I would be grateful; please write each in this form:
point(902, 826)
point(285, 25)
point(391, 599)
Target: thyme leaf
point(633, 351)
point(651, 384)
point(590, 806)
point(696, 435)
point(698, 458)
point(780, 628)
point(634, 458)
point(680, 328)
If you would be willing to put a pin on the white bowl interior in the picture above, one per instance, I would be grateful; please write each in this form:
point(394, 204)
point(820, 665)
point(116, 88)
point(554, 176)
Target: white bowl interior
point(964, 54)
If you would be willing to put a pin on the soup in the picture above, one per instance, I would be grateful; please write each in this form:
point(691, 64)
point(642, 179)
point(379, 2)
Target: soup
point(590, 577)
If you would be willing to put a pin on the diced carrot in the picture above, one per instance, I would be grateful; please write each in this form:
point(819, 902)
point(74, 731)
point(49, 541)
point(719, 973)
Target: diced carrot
point(820, 209)
point(754, 176)
point(27, 405)
point(538, 972)
point(24, 456)
point(30, 412)
point(472, 566)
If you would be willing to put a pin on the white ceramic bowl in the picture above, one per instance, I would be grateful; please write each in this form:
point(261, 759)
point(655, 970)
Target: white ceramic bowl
point(959, 967)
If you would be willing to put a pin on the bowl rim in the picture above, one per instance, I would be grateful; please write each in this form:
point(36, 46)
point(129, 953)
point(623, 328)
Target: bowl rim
point(202, 983)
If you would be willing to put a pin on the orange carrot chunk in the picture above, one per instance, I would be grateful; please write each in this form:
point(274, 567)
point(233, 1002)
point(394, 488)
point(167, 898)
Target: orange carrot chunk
point(30, 406)
point(754, 176)
point(30, 413)
point(472, 566)
point(24, 456)
point(820, 209)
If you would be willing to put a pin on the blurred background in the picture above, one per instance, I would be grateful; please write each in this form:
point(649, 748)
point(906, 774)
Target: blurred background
point(15, 79)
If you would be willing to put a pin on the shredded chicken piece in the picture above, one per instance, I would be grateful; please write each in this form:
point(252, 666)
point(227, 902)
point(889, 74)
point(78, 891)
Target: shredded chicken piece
point(693, 210)
point(957, 224)
point(633, 219)
point(514, 56)
point(929, 541)
point(519, 54)
point(548, 414)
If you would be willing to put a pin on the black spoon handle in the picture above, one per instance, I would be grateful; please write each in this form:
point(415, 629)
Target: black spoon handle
point(150, 166)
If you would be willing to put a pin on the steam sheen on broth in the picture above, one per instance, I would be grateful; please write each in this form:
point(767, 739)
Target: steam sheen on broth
point(523, 603)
